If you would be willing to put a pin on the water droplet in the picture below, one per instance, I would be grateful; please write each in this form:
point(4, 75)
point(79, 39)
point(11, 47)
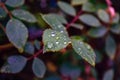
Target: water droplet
point(57, 42)
point(79, 49)
point(88, 47)
point(61, 31)
point(59, 26)
point(65, 42)
point(52, 34)
point(50, 45)
point(80, 42)
point(57, 37)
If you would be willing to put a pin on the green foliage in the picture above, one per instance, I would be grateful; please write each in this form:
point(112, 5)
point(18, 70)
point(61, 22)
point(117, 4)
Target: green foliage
point(110, 47)
point(116, 29)
point(84, 50)
point(14, 3)
point(60, 18)
point(38, 68)
point(67, 8)
point(37, 44)
point(3, 14)
point(116, 19)
point(88, 7)
point(54, 40)
point(29, 33)
point(97, 32)
point(17, 33)
point(78, 26)
point(24, 15)
point(14, 64)
point(55, 23)
point(103, 15)
point(90, 20)
point(29, 48)
point(78, 2)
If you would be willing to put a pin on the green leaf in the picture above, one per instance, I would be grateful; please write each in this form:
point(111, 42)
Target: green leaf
point(78, 2)
point(108, 75)
point(3, 14)
point(67, 8)
point(84, 50)
point(97, 32)
point(100, 6)
point(115, 29)
point(29, 48)
point(116, 19)
point(14, 64)
point(78, 26)
point(77, 38)
point(103, 15)
point(60, 18)
point(14, 3)
point(94, 73)
point(110, 46)
point(41, 23)
point(37, 44)
point(88, 7)
point(99, 56)
point(54, 40)
point(38, 68)
point(90, 20)
point(24, 15)
point(68, 70)
point(17, 33)
point(55, 23)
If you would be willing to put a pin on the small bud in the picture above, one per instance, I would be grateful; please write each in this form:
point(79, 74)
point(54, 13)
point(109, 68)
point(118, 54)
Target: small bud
point(112, 12)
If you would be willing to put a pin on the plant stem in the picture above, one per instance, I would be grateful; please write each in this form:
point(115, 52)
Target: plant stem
point(2, 27)
point(35, 55)
point(67, 27)
point(6, 10)
point(108, 2)
point(74, 20)
point(6, 46)
point(41, 50)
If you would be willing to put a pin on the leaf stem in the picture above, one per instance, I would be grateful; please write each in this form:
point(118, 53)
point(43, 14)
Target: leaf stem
point(6, 46)
point(2, 27)
point(6, 10)
point(108, 2)
point(35, 55)
point(67, 27)
point(74, 20)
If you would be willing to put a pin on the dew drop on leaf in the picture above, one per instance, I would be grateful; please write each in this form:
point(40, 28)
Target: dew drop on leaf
point(49, 45)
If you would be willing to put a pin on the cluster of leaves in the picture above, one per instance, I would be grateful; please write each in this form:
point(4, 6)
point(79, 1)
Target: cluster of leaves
point(98, 21)
point(18, 33)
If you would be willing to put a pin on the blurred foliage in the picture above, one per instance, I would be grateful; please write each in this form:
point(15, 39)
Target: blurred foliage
point(66, 31)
